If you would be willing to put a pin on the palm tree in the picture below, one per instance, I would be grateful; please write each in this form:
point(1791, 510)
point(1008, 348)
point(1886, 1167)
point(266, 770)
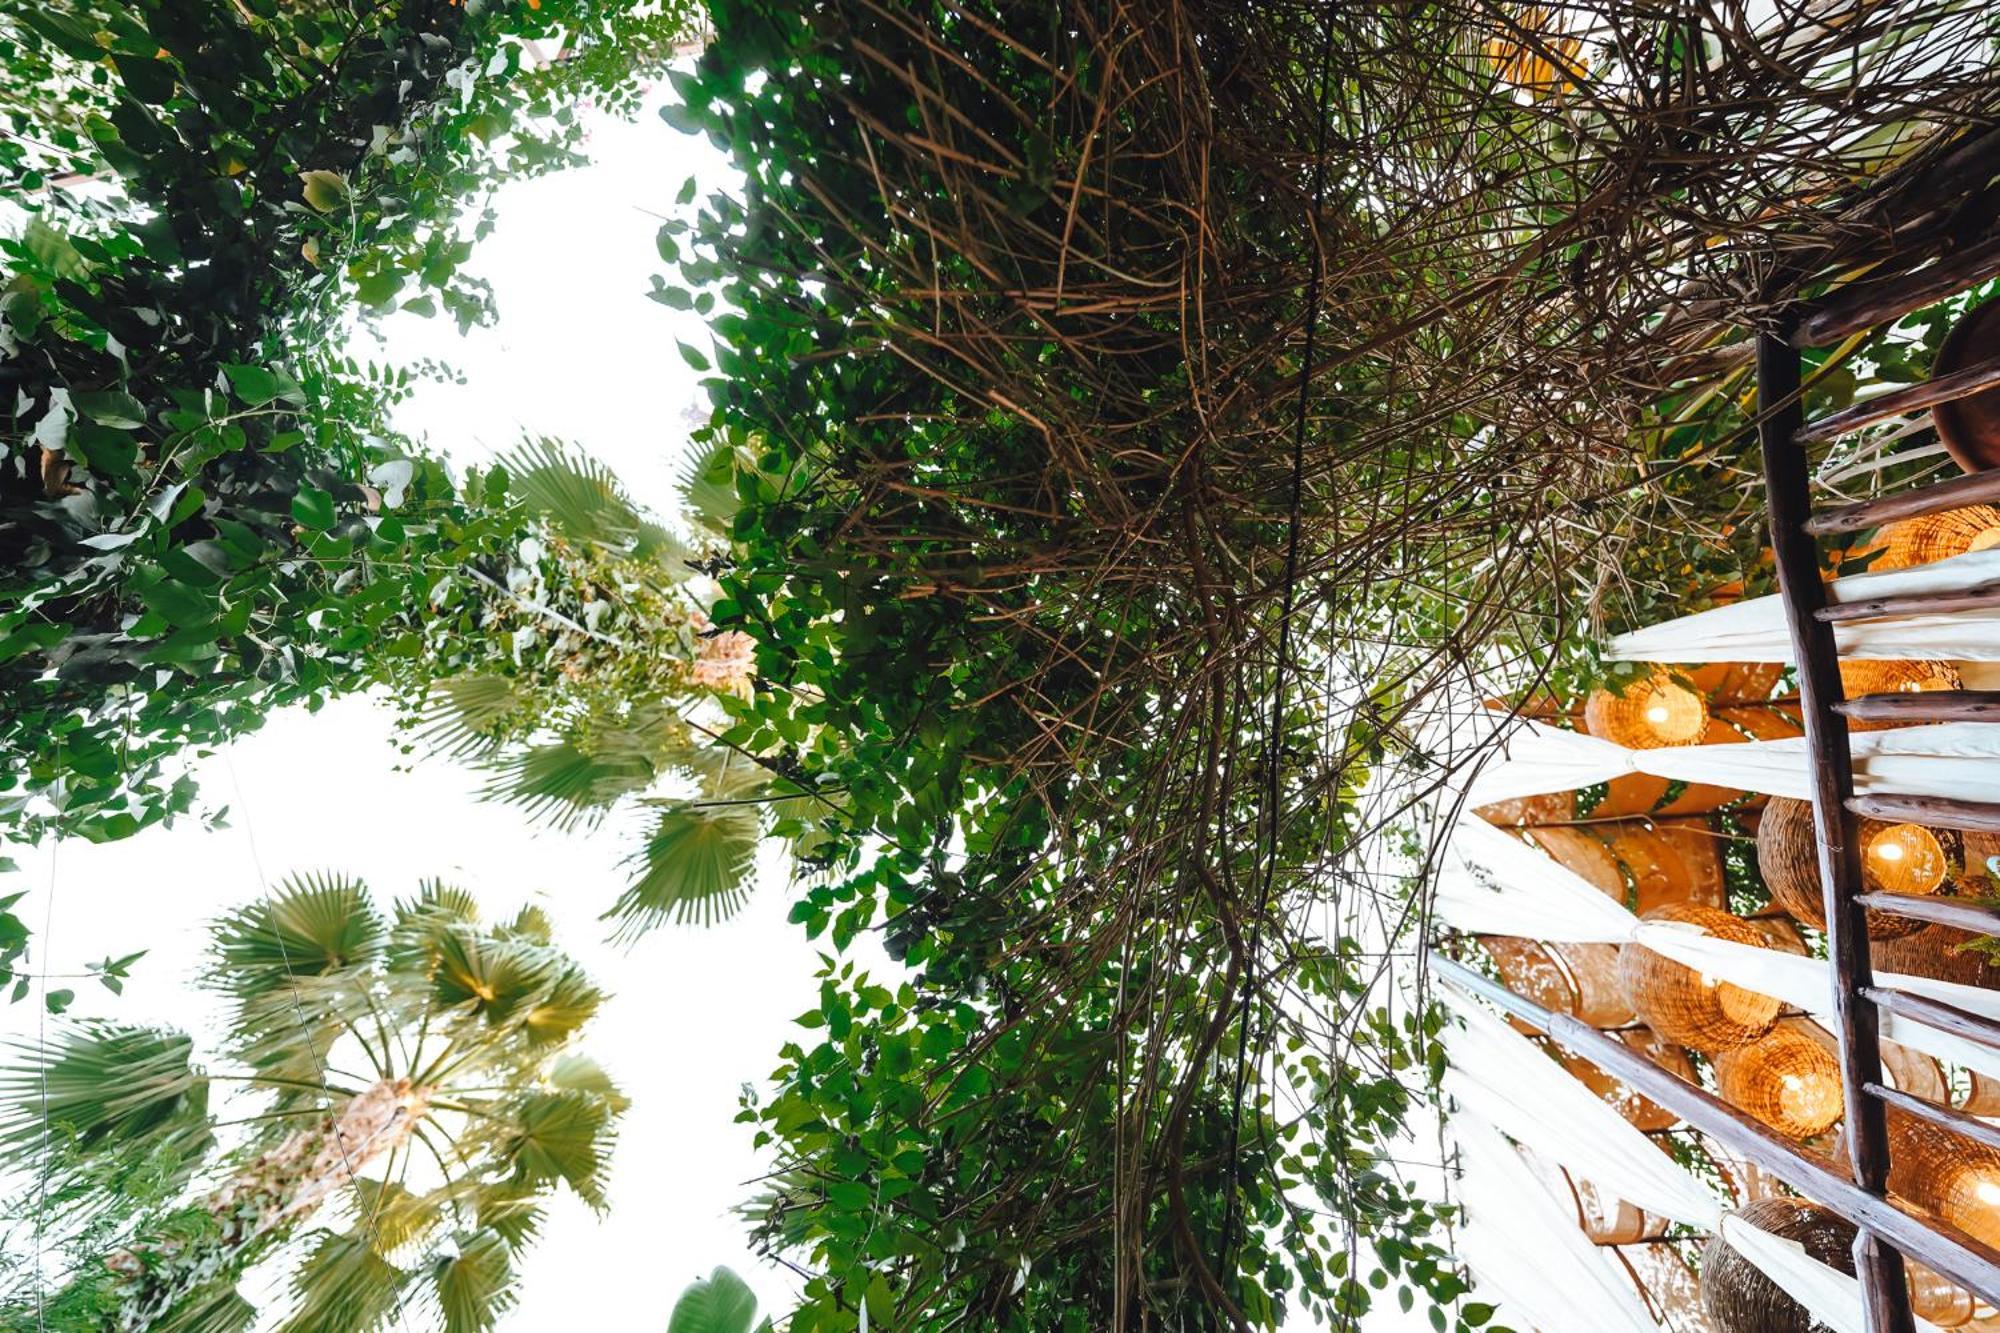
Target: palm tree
point(388, 1103)
point(595, 681)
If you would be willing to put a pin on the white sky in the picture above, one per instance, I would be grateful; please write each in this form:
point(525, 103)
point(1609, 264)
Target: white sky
point(581, 354)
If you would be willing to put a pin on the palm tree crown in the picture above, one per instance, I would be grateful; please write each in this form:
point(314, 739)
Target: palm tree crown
point(389, 1101)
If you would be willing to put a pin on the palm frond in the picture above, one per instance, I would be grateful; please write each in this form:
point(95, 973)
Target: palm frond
point(530, 923)
point(708, 489)
point(104, 1087)
point(468, 716)
point(571, 1072)
point(344, 1286)
point(495, 979)
point(564, 1005)
point(695, 866)
point(474, 1287)
point(511, 1213)
point(574, 493)
point(719, 1303)
point(561, 1137)
point(563, 785)
point(216, 1309)
point(392, 1216)
point(311, 926)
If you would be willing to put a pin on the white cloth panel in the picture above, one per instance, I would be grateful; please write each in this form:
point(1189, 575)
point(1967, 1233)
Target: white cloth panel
point(1515, 1086)
point(1500, 1078)
point(1833, 1298)
point(1524, 1245)
point(1755, 630)
point(1954, 759)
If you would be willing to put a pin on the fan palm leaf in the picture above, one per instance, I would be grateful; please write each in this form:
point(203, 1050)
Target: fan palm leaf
point(474, 1287)
point(565, 786)
point(312, 925)
point(572, 492)
point(104, 1087)
point(470, 715)
point(695, 866)
point(708, 489)
point(344, 1286)
point(220, 1309)
point(561, 1137)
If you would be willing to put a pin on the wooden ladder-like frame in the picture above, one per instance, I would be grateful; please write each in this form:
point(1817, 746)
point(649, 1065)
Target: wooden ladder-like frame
point(1887, 1231)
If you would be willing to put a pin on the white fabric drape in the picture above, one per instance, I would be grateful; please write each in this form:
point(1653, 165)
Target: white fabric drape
point(1523, 1244)
point(1503, 1081)
point(1490, 883)
point(1755, 630)
point(1954, 759)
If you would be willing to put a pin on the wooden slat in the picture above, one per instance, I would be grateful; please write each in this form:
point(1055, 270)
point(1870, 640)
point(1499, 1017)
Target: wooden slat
point(1897, 402)
point(1863, 305)
point(1978, 489)
point(1944, 1117)
point(1962, 1258)
point(1979, 597)
point(1936, 1013)
point(1955, 912)
point(1935, 811)
point(1925, 706)
point(1885, 1299)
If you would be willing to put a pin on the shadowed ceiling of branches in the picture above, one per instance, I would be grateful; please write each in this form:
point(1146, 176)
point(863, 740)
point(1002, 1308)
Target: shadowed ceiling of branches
point(1282, 374)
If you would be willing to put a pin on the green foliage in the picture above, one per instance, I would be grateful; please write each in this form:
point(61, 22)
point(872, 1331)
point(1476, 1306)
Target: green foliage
point(202, 512)
point(439, 1045)
point(719, 1303)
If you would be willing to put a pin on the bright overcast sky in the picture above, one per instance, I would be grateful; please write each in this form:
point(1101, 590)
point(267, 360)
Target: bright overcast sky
point(579, 353)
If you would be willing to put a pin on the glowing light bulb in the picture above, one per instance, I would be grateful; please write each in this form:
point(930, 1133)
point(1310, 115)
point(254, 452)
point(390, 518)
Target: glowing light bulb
point(1890, 851)
point(1987, 1191)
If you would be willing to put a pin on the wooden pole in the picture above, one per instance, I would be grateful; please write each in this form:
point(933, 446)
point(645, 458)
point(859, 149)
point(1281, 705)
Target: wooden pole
point(1884, 1297)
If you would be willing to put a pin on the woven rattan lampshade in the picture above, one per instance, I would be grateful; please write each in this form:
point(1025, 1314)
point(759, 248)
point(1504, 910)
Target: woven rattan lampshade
point(1895, 858)
point(1954, 1177)
point(1648, 714)
point(1918, 541)
point(1683, 1005)
point(1935, 1297)
point(1939, 952)
point(1736, 1295)
point(1785, 1079)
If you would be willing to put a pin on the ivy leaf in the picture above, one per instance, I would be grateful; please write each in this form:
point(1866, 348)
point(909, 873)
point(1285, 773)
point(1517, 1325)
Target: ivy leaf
point(313, 508)
point(111, 407)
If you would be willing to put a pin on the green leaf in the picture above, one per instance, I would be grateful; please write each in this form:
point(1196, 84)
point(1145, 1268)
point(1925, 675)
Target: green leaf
point(696, 867)
point(257, 385)
point(475, 1286)
point(691, 356)
point(313, 508)
point(111, 407)
point(719, 1303)
point(324, 191)
point(58, 1000)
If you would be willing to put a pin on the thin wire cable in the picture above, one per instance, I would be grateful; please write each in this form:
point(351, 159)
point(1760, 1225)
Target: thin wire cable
point(42, 1068)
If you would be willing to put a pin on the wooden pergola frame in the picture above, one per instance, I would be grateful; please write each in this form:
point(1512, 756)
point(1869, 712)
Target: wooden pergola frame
point(1887, 1230)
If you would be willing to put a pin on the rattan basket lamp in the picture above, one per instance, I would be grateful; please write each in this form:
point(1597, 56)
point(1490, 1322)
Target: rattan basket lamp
point(1949, 1175)
point(1919, 541)
point(1738, 1298)
point(1864, 676)
point(1651, 713)
point(1736, 1295)
point(1785, 1079)
point(1688, 1007)
point(1895, 858)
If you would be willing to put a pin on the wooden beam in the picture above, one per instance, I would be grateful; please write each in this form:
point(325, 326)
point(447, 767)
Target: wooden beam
point(1954, 912)
point(1863, 305)
point(1944, 1117)
point(1956, 493)
point(1885, 1298)
point(1911, 398)
point(1980, 597)
point(1925, 706)
point(1937, 811)
point(1964, 1259)
point(1936, 1013)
